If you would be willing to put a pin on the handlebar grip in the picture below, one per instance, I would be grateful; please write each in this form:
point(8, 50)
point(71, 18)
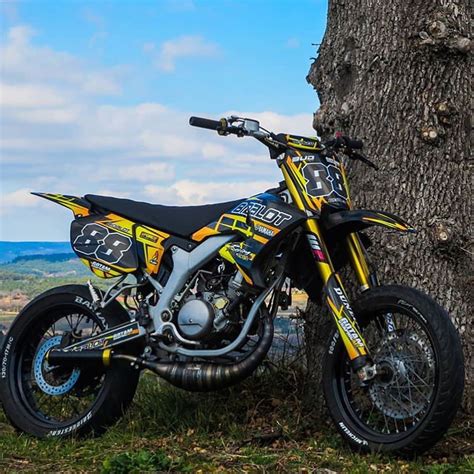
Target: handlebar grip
point(205, 123)
point(353, 143)
point(343, 140)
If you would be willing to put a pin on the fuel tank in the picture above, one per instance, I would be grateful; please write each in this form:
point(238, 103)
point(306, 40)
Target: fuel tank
point(261, 222)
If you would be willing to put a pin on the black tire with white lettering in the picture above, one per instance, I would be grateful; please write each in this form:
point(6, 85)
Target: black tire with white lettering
point(411, 404)
point(43, 400)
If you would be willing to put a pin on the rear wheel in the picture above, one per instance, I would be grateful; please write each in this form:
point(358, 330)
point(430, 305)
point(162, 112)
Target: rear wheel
point(46, 400)
point(412, 402)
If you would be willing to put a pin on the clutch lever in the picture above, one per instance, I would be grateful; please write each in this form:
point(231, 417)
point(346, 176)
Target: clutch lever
point(359, 156)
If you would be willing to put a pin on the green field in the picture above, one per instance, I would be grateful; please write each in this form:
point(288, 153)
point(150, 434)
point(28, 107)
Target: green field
point(259, 426)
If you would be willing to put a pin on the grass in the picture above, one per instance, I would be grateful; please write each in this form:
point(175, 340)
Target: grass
point(258, 426)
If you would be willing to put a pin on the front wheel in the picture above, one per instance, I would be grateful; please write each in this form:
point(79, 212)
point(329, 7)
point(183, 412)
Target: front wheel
point(45, 400)
point(412, 402)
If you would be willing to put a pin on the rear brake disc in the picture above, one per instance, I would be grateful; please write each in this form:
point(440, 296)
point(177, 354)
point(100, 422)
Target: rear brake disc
point(44, 373)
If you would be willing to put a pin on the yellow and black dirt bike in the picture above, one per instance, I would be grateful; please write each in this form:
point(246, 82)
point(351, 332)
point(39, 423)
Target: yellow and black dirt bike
point(204, 284)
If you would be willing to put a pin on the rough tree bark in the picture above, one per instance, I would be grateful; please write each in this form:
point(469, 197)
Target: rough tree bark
point(397, 75)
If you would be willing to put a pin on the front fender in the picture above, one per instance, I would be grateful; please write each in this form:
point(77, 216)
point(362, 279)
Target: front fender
point(346, 222)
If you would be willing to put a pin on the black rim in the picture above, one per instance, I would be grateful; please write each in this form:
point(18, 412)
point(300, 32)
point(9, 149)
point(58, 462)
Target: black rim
point(394, 404)
point(76, 390)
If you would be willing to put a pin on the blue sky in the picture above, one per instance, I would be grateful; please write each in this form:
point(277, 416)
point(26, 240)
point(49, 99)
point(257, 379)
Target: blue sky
point(95, 97)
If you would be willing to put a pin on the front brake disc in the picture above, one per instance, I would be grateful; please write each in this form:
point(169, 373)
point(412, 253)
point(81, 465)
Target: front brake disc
point(402, 394)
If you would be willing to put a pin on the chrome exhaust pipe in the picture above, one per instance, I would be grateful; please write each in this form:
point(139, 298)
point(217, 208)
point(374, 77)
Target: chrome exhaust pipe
point(192, 376)
point(208, 376)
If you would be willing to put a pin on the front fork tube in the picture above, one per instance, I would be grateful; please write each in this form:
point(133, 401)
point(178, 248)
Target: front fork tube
point(366, 275)
point(336, 299)
point(365, 272)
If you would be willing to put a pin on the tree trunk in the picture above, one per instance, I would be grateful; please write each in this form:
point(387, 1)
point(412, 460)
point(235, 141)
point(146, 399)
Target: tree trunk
point(397, 75)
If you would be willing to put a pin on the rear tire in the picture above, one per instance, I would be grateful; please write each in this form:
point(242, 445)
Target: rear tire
point(411, 409)
point(110, 391)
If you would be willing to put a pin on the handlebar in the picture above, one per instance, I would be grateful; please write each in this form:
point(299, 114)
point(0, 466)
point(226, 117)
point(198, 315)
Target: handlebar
point(345, 141)
point(348, 146)
point(226, 126)
point(277, 143)
point(205, 123)
point(222, 126)
point(354, 143)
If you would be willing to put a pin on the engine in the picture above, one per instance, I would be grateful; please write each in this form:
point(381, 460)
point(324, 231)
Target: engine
point(210, 313)
point(211, 309)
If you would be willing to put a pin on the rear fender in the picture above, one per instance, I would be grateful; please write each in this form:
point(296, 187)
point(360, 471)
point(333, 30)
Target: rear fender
point(346, 222)
point(79, 206)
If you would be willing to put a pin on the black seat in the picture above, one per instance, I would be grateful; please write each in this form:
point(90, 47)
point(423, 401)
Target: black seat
point(176, 220)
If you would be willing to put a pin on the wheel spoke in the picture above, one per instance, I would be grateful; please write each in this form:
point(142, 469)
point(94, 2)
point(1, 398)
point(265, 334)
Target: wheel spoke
point(398, 402)
point(58, 404)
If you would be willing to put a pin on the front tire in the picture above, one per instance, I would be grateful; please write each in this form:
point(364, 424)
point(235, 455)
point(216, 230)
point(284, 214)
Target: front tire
point(409, 408)
point(45, 401)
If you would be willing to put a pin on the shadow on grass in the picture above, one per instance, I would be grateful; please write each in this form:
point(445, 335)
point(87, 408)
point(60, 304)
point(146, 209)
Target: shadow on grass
point(270, 399)
point(257, 426)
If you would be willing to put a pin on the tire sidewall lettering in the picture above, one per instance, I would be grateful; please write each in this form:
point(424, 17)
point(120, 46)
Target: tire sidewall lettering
point(5, 356)
point(412, 308)
point(69, 429)
point(89, 305)
point(121, 382)
point(333, 343)
point(356, 438)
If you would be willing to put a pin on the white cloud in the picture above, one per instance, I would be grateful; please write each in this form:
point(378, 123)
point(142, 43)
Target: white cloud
point(100, 34)
point(55, 128)
point(23, 61)
point(92, 17)
point(182, 47)
point(189, 192)
point(99, 84)
point(149, 46)
point(47, 115)
point(296, 123)
point(147, 173)
point(19, 198)
point(214, 150)
point(20, 34)
point(168, 143)
point(97, 39)
point(29, 95)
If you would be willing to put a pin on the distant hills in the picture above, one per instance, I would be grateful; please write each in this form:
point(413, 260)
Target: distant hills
point(9, 251)
point(55, 257)
point(30, 268)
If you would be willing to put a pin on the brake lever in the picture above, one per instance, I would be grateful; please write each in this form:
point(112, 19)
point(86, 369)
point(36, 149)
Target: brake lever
point(359, 156)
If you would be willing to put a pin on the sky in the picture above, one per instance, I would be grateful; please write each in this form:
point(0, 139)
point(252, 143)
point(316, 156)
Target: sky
point(95, 98)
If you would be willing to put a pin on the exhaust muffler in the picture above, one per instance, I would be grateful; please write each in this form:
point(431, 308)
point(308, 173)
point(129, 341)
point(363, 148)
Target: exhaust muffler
point(192, 376)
